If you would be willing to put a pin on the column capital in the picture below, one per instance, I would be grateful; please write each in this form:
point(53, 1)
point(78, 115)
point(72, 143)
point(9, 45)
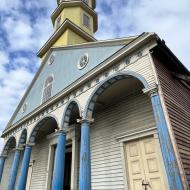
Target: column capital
point(64, 131)
point(19, 148)
point(85, 120)
point(29, 144)
point(151, 90)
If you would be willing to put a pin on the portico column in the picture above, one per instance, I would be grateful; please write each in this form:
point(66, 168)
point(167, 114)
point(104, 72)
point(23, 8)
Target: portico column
point(2, 162)
point(168, 153)
point(59, 166)
point(85, 158)
point(24, 168)
point(14, 169)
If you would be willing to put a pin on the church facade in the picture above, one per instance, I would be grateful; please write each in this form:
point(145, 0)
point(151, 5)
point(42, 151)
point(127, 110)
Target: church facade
point(100, 115)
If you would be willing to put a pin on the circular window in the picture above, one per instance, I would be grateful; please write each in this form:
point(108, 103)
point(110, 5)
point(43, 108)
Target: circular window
point(83, 61)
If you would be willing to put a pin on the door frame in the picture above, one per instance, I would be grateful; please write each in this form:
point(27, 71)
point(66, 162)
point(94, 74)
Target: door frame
point(136, 135)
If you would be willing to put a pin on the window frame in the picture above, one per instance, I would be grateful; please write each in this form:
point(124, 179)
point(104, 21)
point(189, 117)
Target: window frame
point(84, 15)
point(43, 100)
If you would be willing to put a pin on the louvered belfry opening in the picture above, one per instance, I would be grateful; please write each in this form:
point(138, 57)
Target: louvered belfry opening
point(48, 86)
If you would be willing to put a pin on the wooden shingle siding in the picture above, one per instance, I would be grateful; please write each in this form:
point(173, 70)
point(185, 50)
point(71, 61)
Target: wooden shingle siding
point(177, 101)
point(134, 113)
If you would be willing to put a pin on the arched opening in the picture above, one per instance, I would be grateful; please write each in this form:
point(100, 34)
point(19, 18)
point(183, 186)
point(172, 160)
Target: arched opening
point(9, 146)
point(8, 151)
point(114, 89)
point(44, 139)
point(119, 108)
point(71, 114)
point(23, 138)
point(45, 127)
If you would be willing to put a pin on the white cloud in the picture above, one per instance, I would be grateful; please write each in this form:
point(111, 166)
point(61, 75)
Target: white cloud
point(169, 19)
point(27, 25)
point(7, 5)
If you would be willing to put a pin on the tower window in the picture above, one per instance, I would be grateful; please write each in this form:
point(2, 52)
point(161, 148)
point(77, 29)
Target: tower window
point(86, 20)
point(58, 22)
point(47, 92)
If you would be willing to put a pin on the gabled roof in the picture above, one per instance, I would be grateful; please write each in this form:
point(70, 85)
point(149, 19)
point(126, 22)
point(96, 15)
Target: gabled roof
point(65, 71)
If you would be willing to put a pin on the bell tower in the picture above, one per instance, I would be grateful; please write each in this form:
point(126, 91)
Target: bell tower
point(74, 22)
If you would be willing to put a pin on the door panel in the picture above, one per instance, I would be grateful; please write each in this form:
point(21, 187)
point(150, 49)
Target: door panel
point(135, 165)
point(144, 165)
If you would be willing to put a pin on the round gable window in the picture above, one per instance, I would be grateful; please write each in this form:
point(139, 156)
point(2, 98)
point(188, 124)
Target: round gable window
point(83, 61)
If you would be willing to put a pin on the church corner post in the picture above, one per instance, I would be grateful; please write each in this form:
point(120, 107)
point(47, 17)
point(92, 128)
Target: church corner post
point(58, 174)
point(24, 167)
point(85, 155)
point(170, 161)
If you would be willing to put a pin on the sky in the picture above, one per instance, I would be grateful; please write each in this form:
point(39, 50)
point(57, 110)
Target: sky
point(25, 26)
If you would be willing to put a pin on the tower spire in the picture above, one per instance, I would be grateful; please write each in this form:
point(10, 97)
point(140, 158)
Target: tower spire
point(74, 22)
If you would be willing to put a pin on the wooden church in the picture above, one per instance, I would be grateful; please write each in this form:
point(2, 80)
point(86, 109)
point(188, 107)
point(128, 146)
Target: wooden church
point(100, 115)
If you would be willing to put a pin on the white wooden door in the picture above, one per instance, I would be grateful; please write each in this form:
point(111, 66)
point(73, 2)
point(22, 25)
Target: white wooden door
point(144, 165)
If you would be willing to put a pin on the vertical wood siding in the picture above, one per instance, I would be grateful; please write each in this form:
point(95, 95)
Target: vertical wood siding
point(134, 113)
point(177, 100)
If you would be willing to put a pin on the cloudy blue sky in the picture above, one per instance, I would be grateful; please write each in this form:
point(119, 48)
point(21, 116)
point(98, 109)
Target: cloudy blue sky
point(25, 26)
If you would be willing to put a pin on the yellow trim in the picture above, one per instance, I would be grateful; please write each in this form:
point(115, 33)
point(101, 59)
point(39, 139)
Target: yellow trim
point(58, 33)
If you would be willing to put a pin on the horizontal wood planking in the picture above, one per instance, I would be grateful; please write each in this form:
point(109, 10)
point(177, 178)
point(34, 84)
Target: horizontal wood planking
point(177, 101)
point(134, 113)
point(40, 154)
point(6, 171)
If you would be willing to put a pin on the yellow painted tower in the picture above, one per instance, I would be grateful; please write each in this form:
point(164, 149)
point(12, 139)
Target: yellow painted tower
point(74, 22)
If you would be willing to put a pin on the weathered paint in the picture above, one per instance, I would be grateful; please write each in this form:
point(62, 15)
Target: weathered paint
point(2, 162)
point(59, 167)
point(14, 170)
point(177, 107)
point(170, 162)
point(85, 160)
point(64, 65)
point(24, 168)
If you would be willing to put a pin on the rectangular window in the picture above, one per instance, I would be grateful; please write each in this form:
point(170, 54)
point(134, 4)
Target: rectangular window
point(86, 21)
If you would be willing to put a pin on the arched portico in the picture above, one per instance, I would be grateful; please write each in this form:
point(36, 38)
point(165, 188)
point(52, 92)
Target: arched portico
point(102, 96)
point(100, 99)
point(7, 159)
point(44, 127)
point(14, 170)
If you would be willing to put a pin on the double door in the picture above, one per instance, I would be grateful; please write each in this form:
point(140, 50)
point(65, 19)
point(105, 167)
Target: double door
point(144, 165)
